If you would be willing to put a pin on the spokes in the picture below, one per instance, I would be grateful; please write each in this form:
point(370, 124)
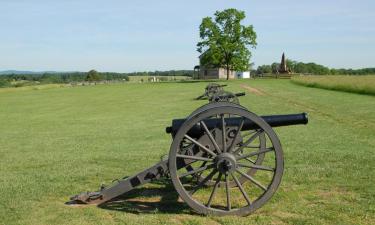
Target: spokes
point(238, 132)
point(227, 191)
point(254, 153)
point(224, 168)
point(212, 139)
point(250, 160)
point(194, 157)
point(200, 169)
point(200, 145)
point(241, 189)
point(214, 190)
point(259, 167)
point(224, 133)
point(200, 184)
point(252, 180)
point(251, 139)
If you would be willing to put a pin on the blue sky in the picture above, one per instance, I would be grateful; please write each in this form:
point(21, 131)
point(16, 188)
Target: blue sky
point(126, 36)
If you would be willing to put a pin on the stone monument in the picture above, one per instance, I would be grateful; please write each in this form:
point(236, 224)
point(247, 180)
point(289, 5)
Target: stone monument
point(283, 68)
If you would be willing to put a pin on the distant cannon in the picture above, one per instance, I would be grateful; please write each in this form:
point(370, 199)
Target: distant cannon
point(226, 96)
point(223, 160)
point(215, 93)
point(210, 90)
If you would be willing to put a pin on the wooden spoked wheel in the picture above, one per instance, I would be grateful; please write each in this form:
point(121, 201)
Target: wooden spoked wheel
point(204, 139)
point(226, 161)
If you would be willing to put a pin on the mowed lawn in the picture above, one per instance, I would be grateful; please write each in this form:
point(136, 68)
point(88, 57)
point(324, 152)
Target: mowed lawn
point(58, 142)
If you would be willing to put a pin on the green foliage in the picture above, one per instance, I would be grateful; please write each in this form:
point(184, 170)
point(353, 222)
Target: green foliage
point(93, 75)
point(312, 68)
point(68, 77)
point(363, 71)
point(275, 67)
point(225, 41)
point(4, 83)
point(264, 69)
point(309, 68)
point(19, 84)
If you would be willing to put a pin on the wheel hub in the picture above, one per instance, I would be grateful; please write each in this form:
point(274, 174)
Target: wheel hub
point(225, 162)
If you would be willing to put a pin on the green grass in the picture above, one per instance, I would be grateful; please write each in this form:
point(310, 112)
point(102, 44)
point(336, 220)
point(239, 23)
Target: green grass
point(61, 141)
point(353, 84)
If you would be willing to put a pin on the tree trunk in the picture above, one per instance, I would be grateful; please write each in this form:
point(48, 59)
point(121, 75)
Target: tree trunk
point(227, 72)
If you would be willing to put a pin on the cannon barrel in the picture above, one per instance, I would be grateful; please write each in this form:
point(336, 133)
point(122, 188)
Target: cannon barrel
point(222, 85)
point(215, 86)
point(272, 120)
point(240, 94)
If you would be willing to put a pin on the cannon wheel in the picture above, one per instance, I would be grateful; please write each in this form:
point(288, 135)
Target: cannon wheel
point(262, 139)
point(225, 167)
point(213, 105)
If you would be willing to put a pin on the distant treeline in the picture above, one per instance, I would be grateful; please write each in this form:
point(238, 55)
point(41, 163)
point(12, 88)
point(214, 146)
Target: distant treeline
point(188, 73)
point(7, 80)
point(312, 68)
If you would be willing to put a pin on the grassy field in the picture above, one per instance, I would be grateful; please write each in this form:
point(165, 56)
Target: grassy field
point(353, 84)
point(61, 141)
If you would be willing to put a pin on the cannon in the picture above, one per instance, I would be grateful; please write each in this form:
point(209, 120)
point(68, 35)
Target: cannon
point(223, 160)
point(226, 96)
point(215, 93)
point(210, 90)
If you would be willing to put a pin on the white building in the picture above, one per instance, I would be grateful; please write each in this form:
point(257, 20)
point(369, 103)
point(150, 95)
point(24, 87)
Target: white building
point(243, 75)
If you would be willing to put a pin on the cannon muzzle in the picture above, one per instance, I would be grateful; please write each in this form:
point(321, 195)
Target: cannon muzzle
point(240, 94)
point(272, 120)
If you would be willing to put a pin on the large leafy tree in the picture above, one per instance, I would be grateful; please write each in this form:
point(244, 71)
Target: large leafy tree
point(93, 75)
point(225, 41)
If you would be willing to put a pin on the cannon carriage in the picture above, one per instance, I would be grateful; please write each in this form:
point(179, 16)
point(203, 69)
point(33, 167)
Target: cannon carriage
point(216, 93)
point(226, 96)
point(210, 90)
point(223, 160)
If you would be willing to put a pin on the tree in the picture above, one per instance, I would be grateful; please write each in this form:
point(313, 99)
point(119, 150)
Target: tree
point(264, 69)
point(275, 67)
point(92, 75)
point(291, 64)
point(225, 41)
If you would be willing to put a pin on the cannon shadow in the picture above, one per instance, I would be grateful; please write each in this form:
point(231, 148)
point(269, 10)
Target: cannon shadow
point(149, 200)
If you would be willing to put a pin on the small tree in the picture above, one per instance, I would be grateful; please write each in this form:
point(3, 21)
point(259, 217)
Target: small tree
point(93, 75)
point(264, 69)
point(275, 67)
point(225, 41)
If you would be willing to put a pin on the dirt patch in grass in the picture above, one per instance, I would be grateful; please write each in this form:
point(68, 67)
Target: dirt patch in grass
point(254, 90)
point(337, 193)
point(285, 215)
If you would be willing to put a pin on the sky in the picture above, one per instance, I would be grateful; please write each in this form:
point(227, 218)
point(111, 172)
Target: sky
point(128, 36)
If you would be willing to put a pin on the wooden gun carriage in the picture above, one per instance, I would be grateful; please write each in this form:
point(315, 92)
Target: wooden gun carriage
point(223, 160)
point(215, 93)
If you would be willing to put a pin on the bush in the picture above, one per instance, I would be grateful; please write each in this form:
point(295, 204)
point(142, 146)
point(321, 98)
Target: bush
point(4, 83)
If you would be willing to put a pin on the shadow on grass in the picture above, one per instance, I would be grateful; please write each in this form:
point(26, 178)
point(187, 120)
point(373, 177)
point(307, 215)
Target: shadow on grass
point(148, 200)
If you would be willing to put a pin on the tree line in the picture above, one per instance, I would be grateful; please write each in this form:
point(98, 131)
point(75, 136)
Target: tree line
point(311, 68)
point(6, 80)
